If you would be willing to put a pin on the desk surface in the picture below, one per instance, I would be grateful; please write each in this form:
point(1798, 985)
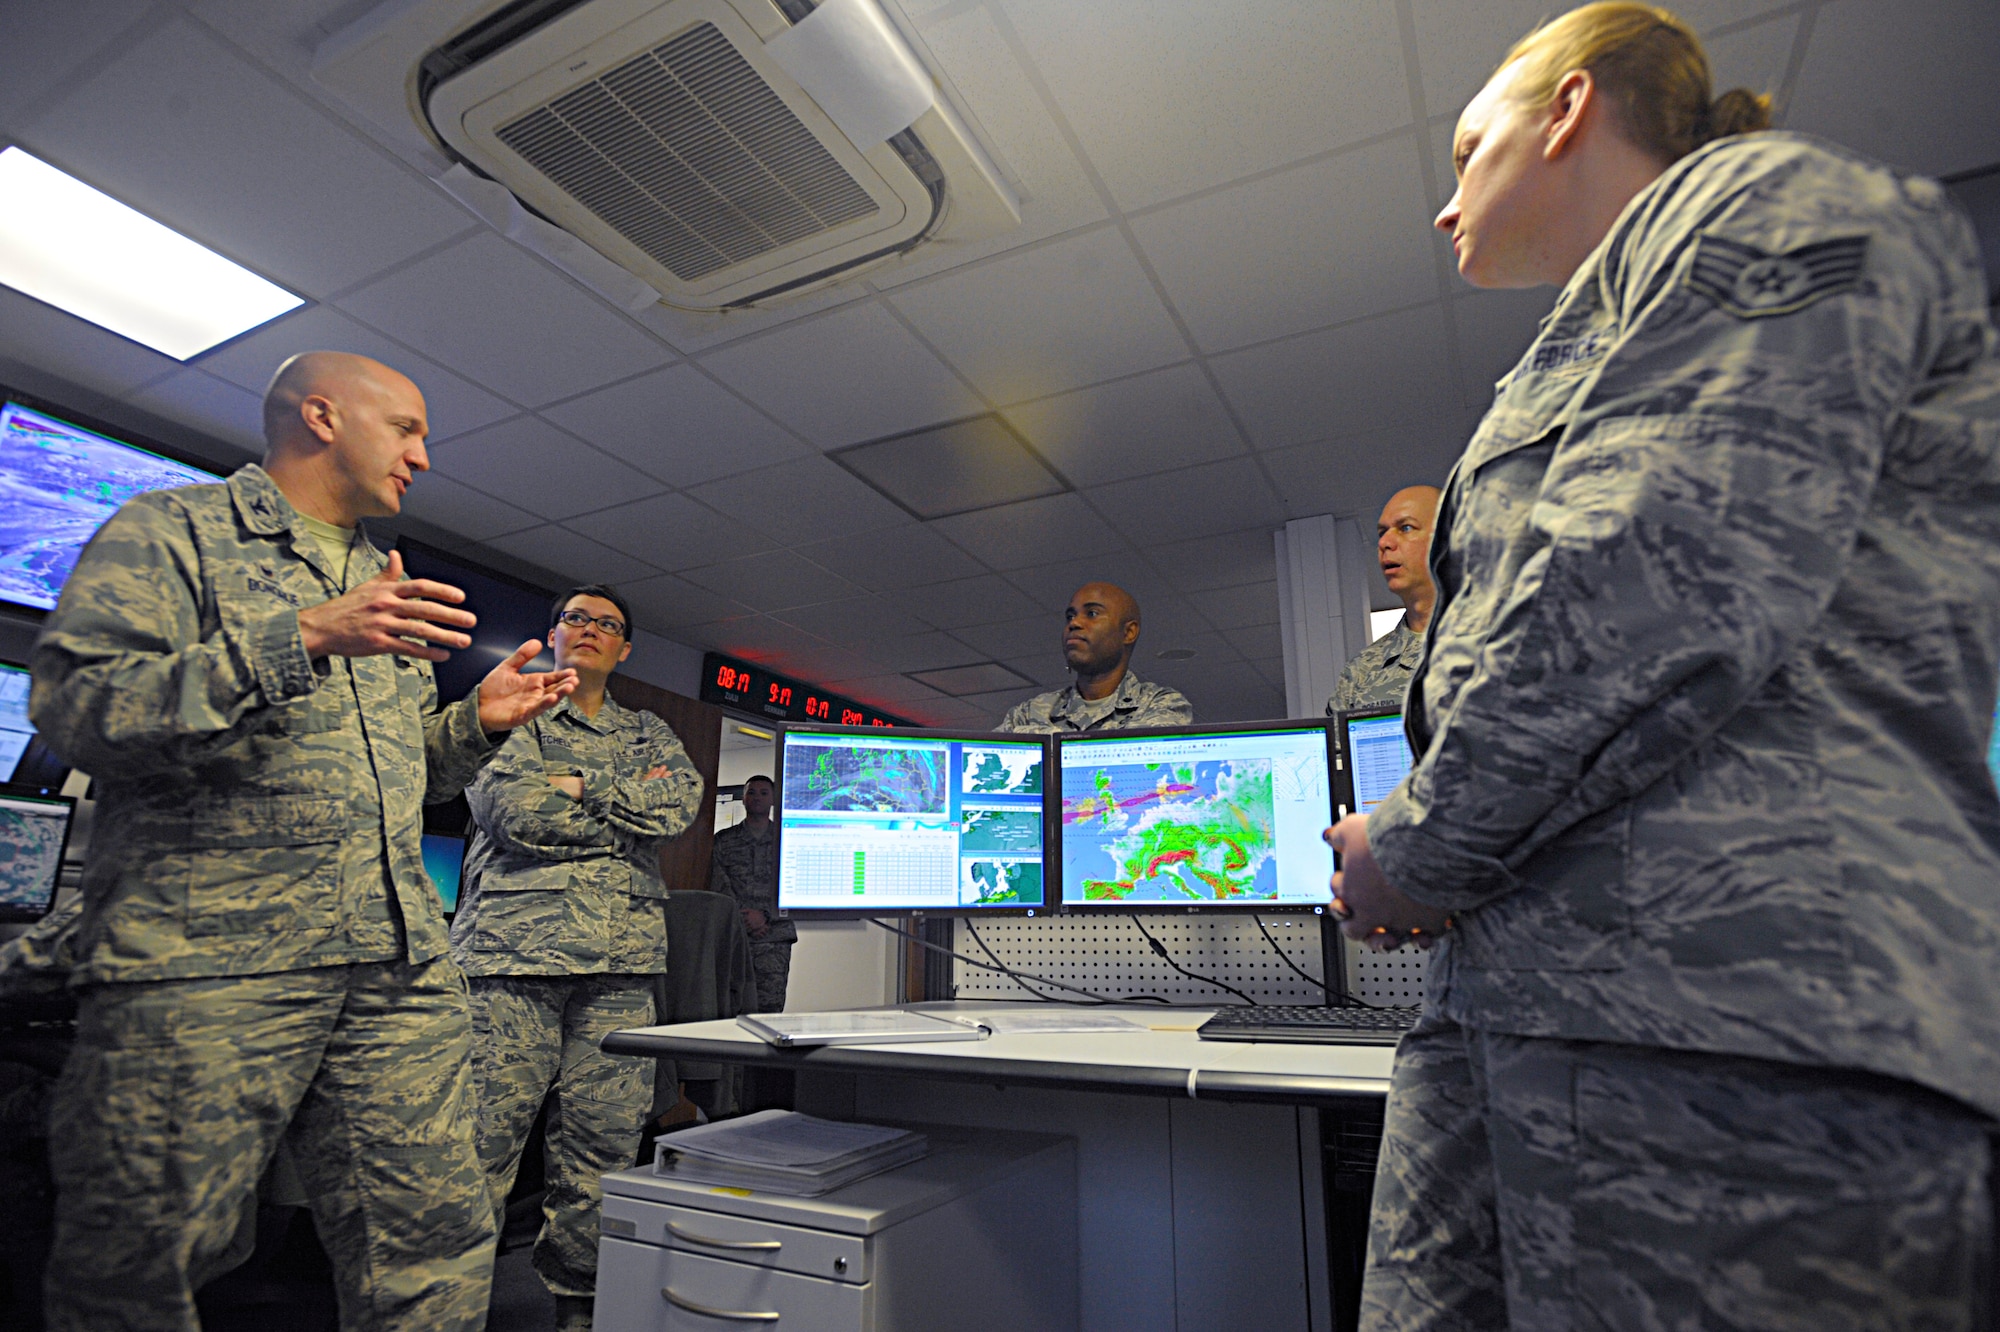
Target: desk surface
point(1171, 1062)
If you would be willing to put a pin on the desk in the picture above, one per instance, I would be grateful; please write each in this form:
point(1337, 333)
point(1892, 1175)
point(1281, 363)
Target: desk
point(1201, 1204)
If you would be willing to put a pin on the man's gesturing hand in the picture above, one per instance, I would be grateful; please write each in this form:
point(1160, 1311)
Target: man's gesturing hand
point(1370, 910)
point(384, 614)
point(507, 698)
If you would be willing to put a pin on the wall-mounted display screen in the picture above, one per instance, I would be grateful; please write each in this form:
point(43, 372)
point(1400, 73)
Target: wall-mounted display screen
point(1197, 817)
point(34, 831)
point(443, 857)
point(1378, 757)
point(58, 484)
point(917, 821)
point(730, 683)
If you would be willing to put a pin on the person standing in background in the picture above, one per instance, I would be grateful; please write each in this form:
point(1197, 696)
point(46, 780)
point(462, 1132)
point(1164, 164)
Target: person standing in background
point(1379, 675)
point(1700, 820)
point(261, 954)
point(561, 926)
point(746, 868)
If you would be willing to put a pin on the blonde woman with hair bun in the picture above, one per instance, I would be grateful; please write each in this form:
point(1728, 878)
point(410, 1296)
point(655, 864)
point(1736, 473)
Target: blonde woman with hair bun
point(1701, 830)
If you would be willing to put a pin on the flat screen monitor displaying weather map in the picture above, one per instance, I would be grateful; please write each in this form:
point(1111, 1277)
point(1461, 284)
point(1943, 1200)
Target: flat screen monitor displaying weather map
point(1197, 817)
point(1378, 757)
point(58, 483)
point(909, 821)
point(34, 830)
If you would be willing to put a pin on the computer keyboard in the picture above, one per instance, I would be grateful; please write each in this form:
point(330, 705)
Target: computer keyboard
point(1309, 1024)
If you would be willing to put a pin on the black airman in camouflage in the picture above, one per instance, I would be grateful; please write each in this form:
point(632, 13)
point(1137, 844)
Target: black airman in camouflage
point(1100, 632)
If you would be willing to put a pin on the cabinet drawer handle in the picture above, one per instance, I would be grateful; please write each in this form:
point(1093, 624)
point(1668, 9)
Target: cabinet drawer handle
point(765, 1246)
point(736, 1315)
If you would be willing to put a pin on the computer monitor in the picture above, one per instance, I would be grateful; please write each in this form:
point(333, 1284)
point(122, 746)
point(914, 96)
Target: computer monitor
point(25, 758)
point(34, 833)
point(444, 858)
point(873, 820)
point(1378, 757)
point(1200, 817)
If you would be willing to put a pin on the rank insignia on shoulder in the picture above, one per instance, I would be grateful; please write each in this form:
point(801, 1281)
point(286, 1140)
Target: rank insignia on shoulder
point(1750, 283)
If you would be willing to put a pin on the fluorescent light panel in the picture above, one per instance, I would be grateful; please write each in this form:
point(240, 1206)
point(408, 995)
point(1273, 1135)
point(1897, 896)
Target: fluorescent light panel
point(81, 250)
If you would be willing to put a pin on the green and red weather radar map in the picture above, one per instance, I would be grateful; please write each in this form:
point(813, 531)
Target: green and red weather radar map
point(1201, 819)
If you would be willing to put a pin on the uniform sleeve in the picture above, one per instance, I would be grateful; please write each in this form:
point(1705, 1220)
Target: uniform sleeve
point(1694, 522)
point(456, 746)
point(1168, 707)
point(513, 801)
point(648, 808)
point(123, 679)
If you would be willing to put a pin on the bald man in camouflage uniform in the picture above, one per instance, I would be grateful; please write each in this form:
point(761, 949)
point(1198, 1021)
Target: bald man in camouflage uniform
point(261, 953)
point(1100, 633)
point(562, 926)
point(1701, 789)
point(1379, 675)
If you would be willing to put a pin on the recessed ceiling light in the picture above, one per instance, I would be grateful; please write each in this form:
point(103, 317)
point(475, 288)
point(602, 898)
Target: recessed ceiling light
point(81, 250)
point(1175, 654)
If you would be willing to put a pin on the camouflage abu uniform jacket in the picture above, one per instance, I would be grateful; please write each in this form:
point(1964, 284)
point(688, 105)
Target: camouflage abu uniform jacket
point(746, 867)
point(1379, 675)
point(245, 793)
point(1136, 703)
point(1704, 713)
point(562, 887)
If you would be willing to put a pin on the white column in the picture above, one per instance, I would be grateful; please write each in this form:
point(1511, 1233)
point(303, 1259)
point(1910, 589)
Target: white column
point(1323, 595)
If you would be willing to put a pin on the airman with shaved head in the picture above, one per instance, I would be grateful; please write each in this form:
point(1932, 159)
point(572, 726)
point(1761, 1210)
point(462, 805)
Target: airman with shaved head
point(1379, 675)
point(1100, 632)
point(262, 956)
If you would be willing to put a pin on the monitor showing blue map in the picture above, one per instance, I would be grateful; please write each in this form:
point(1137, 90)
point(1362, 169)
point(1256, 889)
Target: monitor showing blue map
point(909, 821)
point(1209, 818)
point(34, 830)
point(58, 483)
point(1377, 755)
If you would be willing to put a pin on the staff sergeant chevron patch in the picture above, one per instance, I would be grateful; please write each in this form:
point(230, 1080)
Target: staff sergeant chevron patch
point(1749, 282)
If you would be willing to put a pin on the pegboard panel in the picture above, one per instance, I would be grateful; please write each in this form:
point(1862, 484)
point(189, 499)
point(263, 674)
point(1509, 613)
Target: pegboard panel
point(1390, 979)
point(1106, 955)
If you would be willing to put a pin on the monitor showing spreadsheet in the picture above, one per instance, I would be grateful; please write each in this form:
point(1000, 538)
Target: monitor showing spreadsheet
point(881, 820)
point(34, 832)
point(1378, 757)
point(1196, 816)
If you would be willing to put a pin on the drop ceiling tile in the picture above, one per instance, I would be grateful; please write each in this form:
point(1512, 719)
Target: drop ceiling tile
point(1195, 501)
point(762, 639)
point(1494, 328)
point(75, 349)
point(1333, 240)
point(1229, 560)
point(214, 406)
point(41, 44)
point(574, 557)
point(1037, 321)
point(988, 599)
point(1168, 620)
point(1047, 669)
point(894, 558)
point(679, 425)
point(1258, 640)
point(673, 532)
point(957, 467)
point(983, 678)
point(844, 377)
point(489, 310)
point(189, 133)
point(991, 707)
point(884, 691)
point(1197, 94)
point(800, 502)
point(1230, 608)
point(773, 581)
point(1034, 532)
point(1359, 376)
point(1030, 638)
point(1148, 423)
point(459, 508)
point(532, 465)
point(668, 604)
point(1356, 474)
point(1912, 85)
point(1051, 585)
point(921, 652)
point(456, 405)
point(854, 620)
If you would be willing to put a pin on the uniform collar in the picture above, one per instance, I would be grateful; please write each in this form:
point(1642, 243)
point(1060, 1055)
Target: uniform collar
point(1072, 704)
point(264, 510)
point(610, 718)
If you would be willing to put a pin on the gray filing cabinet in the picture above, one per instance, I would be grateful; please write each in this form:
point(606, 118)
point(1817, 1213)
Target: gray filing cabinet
point(981, 1234)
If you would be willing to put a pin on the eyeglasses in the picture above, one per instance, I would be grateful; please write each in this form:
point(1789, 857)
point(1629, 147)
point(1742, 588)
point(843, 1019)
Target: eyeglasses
point(576, 619)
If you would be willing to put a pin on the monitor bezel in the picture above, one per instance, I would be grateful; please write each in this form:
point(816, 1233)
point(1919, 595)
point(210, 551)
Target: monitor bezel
point(1335, 738)
point(112, 431)
point(963, 736)
point(14, 915)
point(1349, 803)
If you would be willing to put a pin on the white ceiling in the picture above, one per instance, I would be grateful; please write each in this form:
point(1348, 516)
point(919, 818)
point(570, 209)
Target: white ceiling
point(1223, 310)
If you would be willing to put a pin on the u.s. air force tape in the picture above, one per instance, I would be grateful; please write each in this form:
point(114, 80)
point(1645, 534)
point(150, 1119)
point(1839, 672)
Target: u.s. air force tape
point(1750, 283)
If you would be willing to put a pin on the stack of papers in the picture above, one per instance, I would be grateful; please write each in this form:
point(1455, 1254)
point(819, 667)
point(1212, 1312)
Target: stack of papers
point(782, 1151)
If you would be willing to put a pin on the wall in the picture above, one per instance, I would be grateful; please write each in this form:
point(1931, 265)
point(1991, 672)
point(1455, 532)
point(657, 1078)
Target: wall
point(843, 964)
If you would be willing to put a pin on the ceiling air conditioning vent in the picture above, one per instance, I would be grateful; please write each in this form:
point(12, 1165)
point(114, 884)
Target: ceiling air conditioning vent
point(669, 139)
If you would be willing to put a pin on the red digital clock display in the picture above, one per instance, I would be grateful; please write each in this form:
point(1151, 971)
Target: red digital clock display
point(740, 685)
